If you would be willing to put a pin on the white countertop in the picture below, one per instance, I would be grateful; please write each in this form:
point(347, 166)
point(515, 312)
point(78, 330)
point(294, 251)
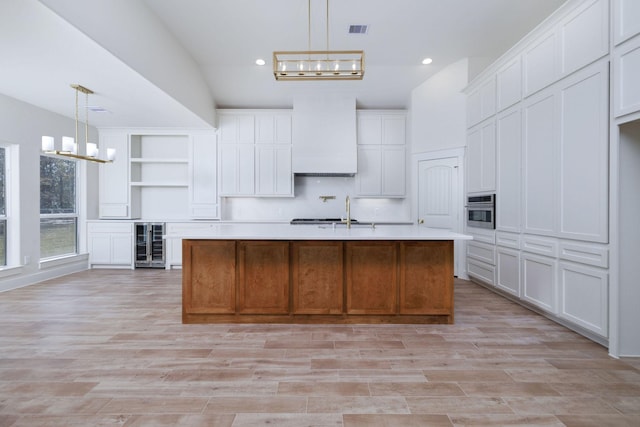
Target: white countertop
point(317, 232)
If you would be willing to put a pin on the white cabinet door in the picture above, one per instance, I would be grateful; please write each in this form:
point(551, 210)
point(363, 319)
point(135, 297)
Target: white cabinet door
point(626, 78)
point(508, 197)
point(273, 170)
point(237, 128)
point(122, 248)
point(393, 170)
point(539, 62)
point(508, 270)
point(539, 281)
point(99, 248)
point(509, 84)
point(110, 244)
point(393, 129)
point(481, 158)
point(203, 197)
point(584, 36)
point(626, 19)
point(368, 180)
point(584, 148)
point(114, 177)
point(236, 164)
point(273, 128)
point(539, 156)
point(481, 103)
point(584, 297)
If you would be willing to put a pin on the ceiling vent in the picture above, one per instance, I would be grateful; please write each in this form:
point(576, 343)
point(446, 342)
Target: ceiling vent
point(358, 29)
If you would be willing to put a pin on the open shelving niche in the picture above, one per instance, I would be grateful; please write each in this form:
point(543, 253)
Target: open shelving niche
point(159, 175)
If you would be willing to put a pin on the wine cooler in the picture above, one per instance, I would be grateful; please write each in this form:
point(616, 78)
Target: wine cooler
point(149, 248)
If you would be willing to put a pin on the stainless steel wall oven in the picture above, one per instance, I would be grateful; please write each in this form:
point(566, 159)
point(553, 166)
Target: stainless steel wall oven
point(481, 211)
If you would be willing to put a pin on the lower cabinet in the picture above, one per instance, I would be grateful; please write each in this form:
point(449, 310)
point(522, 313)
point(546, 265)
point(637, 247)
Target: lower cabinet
point(317, 274)
point(263, 277)
point(508, 270)
point(584, 296)
point(539, 281)
point(371, 284)
point(317, 281)
point(110, 244)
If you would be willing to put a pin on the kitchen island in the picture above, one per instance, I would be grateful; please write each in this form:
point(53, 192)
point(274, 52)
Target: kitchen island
point(280, 273)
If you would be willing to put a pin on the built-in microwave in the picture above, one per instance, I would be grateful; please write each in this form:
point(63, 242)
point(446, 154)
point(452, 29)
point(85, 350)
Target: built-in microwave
point(481, 211)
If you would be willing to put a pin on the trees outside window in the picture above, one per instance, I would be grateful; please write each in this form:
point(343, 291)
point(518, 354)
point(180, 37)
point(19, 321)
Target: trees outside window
point(58, 207)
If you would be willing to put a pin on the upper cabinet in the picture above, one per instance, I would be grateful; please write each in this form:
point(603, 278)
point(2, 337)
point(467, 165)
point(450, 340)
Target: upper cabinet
point(153, 167)
point(481, 158)
point(381, 154)
point(255, 153)
point(626, 20)
point(509, 84)
point(481, 102)
point(539, 63)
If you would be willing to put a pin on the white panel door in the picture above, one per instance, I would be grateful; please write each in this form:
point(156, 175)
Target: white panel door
point(203, 193)
point(393, 170)
point(626, 19)
point(437, 189)
point(584, 36)
point(584, 297)
point(539, 62)
point(539, 281)
point(626, 78)
point(508, 279)
point(540, 156)
point(509, 84)
point(114, 177)
point(584, 148)
point(509, 147)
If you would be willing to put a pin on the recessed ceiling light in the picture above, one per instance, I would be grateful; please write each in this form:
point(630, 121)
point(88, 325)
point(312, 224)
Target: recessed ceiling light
point(427, 61)
point(260, 61)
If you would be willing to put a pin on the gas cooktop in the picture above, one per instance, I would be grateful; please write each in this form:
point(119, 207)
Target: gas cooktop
point(318, 220)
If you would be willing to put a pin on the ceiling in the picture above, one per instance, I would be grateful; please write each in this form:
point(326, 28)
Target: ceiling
point(169, 63)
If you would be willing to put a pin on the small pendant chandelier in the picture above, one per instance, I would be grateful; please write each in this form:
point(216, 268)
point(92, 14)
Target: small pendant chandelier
point(70, 145)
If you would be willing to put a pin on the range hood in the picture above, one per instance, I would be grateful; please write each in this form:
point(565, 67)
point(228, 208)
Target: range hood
point(324, 136)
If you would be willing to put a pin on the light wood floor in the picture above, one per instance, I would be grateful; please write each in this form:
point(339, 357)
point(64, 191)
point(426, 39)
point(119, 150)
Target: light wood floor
point(107, 348)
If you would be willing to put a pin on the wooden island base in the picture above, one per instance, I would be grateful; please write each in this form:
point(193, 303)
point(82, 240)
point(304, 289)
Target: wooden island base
point(251, 281)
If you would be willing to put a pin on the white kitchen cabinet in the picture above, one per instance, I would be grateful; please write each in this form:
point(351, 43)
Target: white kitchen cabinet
point(539, 281)
point(273, 170)
point(626, 83)
point(509, 170)
point(114, 177)
point(110, 244)
point(583, 297)
point(203, 195)
point(584, 36)
point(482, 252)
point(508, 270)
point(583, 159)
point(255, 153)
point(482, 271)
point(481, 158)
point(481, 102)
point(539, 63)
point(540, 164)
point(626, 20)
point(381, 154)
point(509, 84)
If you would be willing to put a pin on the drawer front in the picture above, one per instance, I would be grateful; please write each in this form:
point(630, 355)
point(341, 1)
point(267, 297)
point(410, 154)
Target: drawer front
point(594, 255)
point(482, 252)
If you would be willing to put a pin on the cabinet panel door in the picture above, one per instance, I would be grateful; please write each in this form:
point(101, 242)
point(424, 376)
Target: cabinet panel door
point(626, 67)
point(263, 277)
point(372, 282)
point(584, 148)
point(369, 179)
point(481, 158)
point(318, 275)
point(539, 281)
point(393, 130)
point(508, 271)
point(208, 276)
point(626, 19)
point(584, 297)
point(509, 84)
point(426, 277)
point(203, 194)
point(369, 129)
point(114, 177)
point(100, 248)
point(509, 143)
point(584, 36)
point(539, 163)
point(246, 171)
point(539, 62)
point(122, 249)
point(283, 176)
point(393, 171)
point(228, 165)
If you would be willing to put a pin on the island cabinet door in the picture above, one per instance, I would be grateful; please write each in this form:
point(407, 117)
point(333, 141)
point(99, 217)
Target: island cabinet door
point(263, 277)
point(372, 277)
point(317, 275)
point(208, 276)
point(426, 278)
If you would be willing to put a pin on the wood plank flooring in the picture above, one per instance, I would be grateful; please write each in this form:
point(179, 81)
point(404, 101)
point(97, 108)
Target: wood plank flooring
point(107, 348)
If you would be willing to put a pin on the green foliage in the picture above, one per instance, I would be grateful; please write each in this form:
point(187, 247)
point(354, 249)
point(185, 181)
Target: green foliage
point(57, 186)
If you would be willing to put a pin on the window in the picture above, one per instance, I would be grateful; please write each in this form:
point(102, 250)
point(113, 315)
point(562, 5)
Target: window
point(3, 207)
point(58, 213)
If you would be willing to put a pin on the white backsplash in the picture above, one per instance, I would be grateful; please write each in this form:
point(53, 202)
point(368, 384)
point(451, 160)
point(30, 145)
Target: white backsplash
point(308, 204)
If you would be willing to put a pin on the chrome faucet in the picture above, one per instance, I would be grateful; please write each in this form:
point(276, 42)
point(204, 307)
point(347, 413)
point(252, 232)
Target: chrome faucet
point(348, 207)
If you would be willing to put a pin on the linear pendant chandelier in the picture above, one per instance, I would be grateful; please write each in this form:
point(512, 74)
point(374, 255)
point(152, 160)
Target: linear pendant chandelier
point(70, 145)
point(318, 64)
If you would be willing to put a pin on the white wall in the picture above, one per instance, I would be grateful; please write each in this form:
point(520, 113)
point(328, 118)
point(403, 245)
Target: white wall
point(438, 110)
point(23, 124)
